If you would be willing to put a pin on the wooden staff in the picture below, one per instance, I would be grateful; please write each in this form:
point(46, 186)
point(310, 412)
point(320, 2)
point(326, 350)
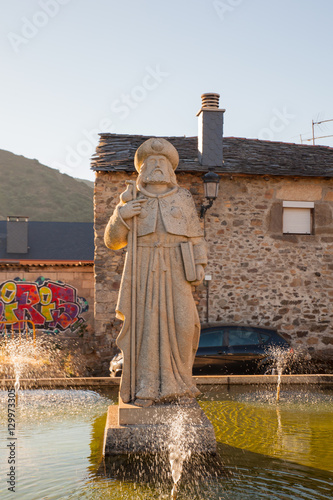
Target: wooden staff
point(133, 297)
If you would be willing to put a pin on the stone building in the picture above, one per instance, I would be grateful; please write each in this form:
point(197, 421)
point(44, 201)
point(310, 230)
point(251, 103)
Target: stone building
point(269, 232)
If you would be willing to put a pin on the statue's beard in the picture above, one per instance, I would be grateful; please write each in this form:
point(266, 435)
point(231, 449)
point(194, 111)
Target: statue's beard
point(157, 176)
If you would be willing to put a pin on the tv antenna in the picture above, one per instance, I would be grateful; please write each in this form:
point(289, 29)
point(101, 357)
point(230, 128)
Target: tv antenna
point(313, 132)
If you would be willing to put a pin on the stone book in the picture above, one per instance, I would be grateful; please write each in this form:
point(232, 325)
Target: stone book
point(188, 259)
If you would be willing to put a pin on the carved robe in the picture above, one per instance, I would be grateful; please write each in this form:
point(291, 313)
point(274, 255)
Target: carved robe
point(167, 321)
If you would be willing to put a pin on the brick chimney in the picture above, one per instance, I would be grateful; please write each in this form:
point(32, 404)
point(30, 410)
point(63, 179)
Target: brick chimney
point(17, 234)
point(210, 134)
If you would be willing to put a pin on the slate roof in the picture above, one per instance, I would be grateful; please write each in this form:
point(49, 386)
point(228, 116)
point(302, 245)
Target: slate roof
point(115, 152)
point(53, 241)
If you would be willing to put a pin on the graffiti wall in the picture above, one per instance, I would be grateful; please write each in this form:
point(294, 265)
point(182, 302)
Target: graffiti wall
point(51, 305)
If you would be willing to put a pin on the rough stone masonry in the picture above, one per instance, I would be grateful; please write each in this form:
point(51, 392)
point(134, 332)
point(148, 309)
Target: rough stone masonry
point(260, 276)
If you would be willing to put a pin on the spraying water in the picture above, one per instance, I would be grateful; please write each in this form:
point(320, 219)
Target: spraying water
point(281, 359)
point(17, 387)
point(42, 358)
point(179, 449)
point(278, 388)
point(13, 354)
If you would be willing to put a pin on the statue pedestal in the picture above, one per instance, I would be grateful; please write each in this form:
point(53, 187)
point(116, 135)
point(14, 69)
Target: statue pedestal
point(130, 429)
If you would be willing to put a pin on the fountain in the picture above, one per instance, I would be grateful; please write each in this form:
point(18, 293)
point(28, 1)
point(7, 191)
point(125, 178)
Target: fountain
point(269, 450)
point(265, 449)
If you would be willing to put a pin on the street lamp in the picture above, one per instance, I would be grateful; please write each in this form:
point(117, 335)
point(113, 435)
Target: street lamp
point(211, 185)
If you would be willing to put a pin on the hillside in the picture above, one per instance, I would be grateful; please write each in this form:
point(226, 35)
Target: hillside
point(31, 189)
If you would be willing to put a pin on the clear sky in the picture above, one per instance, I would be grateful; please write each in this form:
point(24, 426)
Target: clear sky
point(73, 68)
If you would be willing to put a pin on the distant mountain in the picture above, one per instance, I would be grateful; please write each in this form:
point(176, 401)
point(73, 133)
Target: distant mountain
point(89, 183)
point(30, 189)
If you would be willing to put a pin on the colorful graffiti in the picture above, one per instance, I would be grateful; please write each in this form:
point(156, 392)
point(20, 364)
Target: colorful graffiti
point(50, 305)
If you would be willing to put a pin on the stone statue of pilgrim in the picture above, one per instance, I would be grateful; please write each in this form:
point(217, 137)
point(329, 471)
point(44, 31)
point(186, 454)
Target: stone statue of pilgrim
point(167, 322)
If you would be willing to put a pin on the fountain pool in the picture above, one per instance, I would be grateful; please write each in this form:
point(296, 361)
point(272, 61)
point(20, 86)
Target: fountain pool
point(270, 450)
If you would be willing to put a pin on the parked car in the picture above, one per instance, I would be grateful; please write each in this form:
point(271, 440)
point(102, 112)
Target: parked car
point(234, 349)
point(228, 349)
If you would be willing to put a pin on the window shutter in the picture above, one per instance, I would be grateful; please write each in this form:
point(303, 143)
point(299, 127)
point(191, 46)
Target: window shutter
point(297, 220)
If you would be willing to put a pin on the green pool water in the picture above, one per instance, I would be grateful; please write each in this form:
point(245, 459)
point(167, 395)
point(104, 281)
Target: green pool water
point(268, 450)
point(299, 428)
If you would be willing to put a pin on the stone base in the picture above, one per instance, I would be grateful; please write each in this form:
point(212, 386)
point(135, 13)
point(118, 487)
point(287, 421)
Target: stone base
point(130, 429)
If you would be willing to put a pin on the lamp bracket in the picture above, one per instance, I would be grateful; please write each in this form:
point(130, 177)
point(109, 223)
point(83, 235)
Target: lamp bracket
point(204, 208)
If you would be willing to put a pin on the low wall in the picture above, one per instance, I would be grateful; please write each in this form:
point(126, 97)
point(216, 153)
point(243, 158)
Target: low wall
point(202, 380)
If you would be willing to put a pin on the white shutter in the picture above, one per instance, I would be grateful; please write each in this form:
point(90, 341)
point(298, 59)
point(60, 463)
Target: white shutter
point(297, 220)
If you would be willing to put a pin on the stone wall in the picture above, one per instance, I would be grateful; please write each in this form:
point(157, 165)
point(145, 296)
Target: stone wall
point(108, 264)
point(262, 277)
point(259, 276)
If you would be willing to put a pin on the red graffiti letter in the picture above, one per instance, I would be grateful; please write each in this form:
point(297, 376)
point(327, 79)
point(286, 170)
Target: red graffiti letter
point(27, 297)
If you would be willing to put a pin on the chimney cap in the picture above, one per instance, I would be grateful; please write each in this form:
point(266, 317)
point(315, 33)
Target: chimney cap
point(210, 100)
point(17, 218)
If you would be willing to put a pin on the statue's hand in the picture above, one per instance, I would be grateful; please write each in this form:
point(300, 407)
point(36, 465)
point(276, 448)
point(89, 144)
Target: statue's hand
point(131, 209)
point(200, 271)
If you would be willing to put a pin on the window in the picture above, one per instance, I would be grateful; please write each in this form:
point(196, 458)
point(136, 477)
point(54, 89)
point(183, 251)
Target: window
point(211, 339)
point(264, 337)
point(243, 336)
point(297, 217)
